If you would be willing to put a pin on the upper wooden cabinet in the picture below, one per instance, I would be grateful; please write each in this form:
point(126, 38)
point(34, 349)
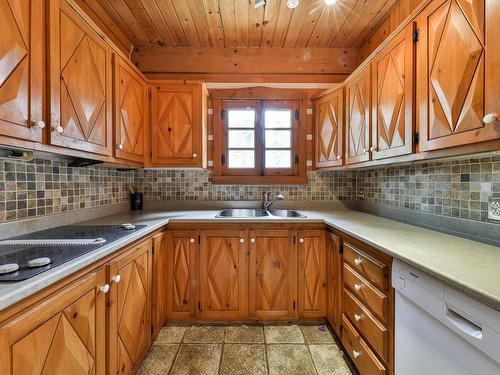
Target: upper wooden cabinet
point(130, 112)
point(452, 83)
point(329, 129)
point(178, 125)
point(357, 116)
point(21, 69)
point(392, 97)
point(80, 82)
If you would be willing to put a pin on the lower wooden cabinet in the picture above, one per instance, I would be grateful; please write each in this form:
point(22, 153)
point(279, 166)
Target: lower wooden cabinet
point(129, 312)
point(159, 284)
point(334, 281)
point(63, 334)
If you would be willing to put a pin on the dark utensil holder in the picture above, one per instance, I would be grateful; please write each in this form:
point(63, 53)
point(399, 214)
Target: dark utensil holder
point(136, 200)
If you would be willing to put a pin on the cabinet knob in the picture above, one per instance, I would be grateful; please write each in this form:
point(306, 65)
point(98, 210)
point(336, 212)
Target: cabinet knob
point(372, 148)
point(242, 240)
point(252, 240)
point(39, 124)
point(338, 157)
point(116, 279)
point(490, 118)
point(195, 155)
point(119, 146)
point(301, 240)
point(357, 261)
point(365, 151)
point(355, 354)
point(58, 129)
point(104, 288)
point(357, 287)
point(357, 317)
point(191, 240)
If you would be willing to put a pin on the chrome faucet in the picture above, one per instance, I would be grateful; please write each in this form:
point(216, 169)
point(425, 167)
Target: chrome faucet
point(268, 202)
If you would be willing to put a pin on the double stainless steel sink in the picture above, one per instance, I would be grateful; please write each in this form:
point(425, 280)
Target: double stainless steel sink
point(257, 212)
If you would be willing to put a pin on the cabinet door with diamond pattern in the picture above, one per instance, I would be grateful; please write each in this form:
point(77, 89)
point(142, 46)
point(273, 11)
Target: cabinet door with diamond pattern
point(392, 98)
point(63, 334)
point(80, 83)
point(311, 254)
point(451, 75)
point(21, 68)
point(129, 327)
point(131, 112)
point(329, 130)
point(272, 290)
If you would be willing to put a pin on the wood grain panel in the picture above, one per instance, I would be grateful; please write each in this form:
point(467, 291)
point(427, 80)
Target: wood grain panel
point(334, 281)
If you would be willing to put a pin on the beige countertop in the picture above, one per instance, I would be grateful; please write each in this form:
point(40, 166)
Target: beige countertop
point(470, 266)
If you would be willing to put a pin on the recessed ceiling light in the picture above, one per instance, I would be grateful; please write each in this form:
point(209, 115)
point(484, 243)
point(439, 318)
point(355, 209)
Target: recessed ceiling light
point(259, 3)
point(292, 4)
point(330, 2)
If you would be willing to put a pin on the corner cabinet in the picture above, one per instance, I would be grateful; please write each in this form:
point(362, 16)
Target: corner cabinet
point(178, 125)
point(392, 97)
point(457, 79)
point(130, 112)
point(358, 116)
point(21, 70)
point(80, 82)
point(64, 333)
point(329, 129)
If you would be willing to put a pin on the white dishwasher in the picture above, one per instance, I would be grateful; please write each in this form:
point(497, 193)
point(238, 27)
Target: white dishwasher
point(439, 330)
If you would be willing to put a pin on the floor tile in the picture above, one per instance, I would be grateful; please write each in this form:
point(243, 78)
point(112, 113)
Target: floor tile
point(244, 334)
point(204, 334)
point(170, 335)
point(329, 360)
point(197, 360)
point(283, 334)
point(158, 360)
point(243, 359)
point(289, 360)
point(316, 334)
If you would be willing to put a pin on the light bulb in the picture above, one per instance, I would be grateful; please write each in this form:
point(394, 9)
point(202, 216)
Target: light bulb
point(259, 3)
point(292, 4)
point(330, 2)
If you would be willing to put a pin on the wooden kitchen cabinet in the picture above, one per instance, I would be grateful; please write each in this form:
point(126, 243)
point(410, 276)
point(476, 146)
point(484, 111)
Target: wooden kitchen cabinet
point(21, 70)
point(358, 116)
point(311, 255)
point(329, 129)
point(80, 82)
point(272, 289)
point(130, 112)
point(457, 74)
point(182, 275)
point(129, 312)
point(334, 281)
point(392, 97)
point(63, 334)
point(159, 283)
point(223, 274)
point(178, 125)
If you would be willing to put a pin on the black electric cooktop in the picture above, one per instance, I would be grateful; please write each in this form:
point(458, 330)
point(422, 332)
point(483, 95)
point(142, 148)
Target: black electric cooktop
point(20, 254)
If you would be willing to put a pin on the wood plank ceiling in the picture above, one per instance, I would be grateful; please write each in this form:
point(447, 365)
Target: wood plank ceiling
point(236, 23)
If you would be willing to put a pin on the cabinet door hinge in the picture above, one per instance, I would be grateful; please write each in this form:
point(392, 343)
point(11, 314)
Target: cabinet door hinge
point(341, 249)
point(416, 35)
point(416, 138)
point(294, 239)
point(223, 159)
point(297, 114)
point(153, 250)
point(199, 239)
point(296, 159)
point(222, 114)
point(150, 95)
point(199, 306)
point(152, 328)
point(294, 305)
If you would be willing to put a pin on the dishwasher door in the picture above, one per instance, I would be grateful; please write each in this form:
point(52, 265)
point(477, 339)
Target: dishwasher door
point(427, 342)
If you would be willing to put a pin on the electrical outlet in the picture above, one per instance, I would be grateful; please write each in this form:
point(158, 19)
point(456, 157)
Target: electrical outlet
point(494, 207)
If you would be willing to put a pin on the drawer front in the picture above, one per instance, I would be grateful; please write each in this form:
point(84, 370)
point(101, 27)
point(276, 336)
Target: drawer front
point(370, 268)
point(370, 296)
point(366, 324)
point(365, 360)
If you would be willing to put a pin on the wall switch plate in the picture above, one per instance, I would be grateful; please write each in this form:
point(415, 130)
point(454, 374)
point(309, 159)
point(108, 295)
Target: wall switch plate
point(494, 207)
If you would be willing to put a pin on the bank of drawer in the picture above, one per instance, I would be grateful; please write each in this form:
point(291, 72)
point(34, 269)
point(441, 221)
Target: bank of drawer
point(364, 359)
point(367, 266)
point(366, 324)
point(370, 296)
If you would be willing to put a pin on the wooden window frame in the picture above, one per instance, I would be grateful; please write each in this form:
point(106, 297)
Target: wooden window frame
point(297, 174)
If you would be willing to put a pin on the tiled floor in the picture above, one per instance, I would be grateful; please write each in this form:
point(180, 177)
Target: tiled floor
point(240, 350)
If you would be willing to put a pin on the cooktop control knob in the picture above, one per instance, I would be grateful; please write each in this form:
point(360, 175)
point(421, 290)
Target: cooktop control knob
point(8, 268)
point(38, 262)
point(99, 240)
point(128, 226)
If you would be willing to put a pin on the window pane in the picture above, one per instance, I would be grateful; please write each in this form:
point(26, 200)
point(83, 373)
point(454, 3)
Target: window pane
point(241, 139)
point(241, 118)
point(241, 159)
point(278, 118)
point(278, 159)
point(278, 139)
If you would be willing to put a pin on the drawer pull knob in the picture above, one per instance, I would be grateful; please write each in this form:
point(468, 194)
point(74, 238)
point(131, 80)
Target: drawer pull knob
point(301, 240)
point(242, 240)
point(104, 288)
point(191, 240)
point(58, 129)
point(338, 157)
point(355, 354)
point(119, 146)
point(490, 118)
point(40, 124)
point(116, 279)
point(357, 317)
point(195, 155)
point(357, 261)
point(357, 287)
point(252, 240)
